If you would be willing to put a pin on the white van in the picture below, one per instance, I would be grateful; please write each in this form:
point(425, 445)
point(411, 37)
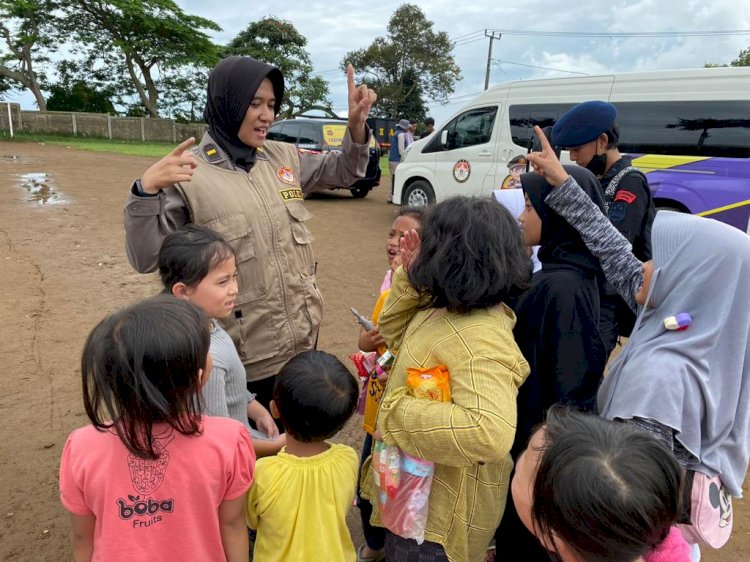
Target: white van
point(689, 130)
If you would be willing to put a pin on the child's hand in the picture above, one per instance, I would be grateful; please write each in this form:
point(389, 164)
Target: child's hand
point(546, 163)
point(409, 248)
point(262, 418)
point(266, 424)
point(396, 262)
point(383, 377)
point(370, 340)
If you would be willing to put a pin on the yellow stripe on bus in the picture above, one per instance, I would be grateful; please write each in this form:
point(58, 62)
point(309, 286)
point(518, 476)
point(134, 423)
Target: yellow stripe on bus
point(651, 162)
point(724, 208)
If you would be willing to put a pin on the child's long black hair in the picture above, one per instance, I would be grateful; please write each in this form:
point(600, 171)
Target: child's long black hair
point(471, 256)
point(140, 367)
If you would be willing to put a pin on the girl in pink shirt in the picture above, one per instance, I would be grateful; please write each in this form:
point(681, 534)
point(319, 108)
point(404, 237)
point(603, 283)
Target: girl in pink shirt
point(150, 478)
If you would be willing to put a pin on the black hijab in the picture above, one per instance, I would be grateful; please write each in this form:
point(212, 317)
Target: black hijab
point(231, 87)
point(561, 244)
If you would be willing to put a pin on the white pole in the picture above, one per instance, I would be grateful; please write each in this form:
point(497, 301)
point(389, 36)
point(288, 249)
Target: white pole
point(10, 120)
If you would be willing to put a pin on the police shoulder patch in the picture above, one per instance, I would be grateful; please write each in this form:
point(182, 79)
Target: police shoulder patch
point(625, 196)
point(212, 153)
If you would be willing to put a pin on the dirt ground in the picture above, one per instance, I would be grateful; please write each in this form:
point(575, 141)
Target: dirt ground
point(63, 268)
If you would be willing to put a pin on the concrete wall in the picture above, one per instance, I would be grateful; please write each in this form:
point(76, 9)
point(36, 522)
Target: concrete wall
point(97, 125)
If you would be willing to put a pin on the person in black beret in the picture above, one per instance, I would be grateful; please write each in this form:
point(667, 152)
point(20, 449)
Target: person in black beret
point(590, 133)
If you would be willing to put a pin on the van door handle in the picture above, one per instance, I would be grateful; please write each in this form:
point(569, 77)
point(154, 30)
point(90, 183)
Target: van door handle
point(485, 153)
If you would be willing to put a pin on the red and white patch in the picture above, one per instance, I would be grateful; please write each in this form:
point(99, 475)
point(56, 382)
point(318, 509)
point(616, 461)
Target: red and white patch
point(461, 171)
point(625, 196)
point(286, 174)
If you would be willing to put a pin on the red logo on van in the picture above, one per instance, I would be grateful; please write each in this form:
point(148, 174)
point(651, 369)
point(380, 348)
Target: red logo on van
point(461, 171)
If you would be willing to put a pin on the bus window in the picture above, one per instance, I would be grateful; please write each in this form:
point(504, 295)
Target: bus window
point(686, 128)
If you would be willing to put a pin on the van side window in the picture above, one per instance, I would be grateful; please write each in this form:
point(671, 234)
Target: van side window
point(275, 132)
point(290, 132)
point(310, 134)
point(523, 118)
point(471, 128)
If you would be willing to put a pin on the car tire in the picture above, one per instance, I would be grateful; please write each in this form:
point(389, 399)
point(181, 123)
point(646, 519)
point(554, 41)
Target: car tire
point(418, 194)
point(360, 192)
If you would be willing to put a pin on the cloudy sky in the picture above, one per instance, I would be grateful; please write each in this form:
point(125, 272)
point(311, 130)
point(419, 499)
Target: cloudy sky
point(336, 27)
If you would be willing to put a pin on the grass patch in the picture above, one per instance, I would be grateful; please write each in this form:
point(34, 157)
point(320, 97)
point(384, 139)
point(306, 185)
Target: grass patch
point(132, 148)
point(384, 169)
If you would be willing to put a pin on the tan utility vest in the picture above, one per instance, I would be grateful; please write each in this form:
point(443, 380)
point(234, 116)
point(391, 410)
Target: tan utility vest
point(279, 307)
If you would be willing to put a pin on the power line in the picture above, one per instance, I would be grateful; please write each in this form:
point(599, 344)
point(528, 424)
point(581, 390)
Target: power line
point(715, 33)
point(467, 34)
point(501, 61)
point(469, 42)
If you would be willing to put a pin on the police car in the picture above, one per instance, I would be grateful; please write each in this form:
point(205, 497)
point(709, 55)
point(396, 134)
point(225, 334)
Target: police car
point(313, 134)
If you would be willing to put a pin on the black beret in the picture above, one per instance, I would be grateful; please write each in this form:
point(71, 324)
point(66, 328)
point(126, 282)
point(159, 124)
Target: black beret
point(584, 123)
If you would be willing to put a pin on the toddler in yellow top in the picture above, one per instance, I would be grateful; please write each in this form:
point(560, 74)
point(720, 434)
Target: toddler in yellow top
point(299, 499)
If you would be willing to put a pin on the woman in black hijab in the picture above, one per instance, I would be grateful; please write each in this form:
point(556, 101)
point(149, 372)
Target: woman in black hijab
point(250, 190)
point(557, 330)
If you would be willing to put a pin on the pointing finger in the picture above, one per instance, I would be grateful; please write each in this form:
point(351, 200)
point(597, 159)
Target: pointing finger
point(350, 78)
point(546, 147)
point(183, 146)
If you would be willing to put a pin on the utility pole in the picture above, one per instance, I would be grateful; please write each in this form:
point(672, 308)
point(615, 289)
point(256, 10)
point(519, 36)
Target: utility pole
point(489, 56)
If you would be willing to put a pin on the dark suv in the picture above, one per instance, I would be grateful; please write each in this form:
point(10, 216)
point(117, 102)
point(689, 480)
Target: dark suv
point(313, 134)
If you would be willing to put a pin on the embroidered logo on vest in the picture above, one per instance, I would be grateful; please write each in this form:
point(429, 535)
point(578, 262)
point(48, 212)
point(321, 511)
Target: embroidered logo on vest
point(285, 174)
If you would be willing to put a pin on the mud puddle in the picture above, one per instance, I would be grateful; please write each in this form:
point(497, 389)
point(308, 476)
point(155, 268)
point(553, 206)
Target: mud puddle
point(40, 189)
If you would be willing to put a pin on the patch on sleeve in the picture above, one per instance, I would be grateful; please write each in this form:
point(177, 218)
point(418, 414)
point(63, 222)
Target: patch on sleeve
point(617, 211)
point(212, 153)
point(625, 196)
point(291, 194)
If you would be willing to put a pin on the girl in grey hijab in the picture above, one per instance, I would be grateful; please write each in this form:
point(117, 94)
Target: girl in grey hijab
point(689, 386)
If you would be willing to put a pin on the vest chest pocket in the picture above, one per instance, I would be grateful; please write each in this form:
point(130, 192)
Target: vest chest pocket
point(237, 231)
point(302, 237)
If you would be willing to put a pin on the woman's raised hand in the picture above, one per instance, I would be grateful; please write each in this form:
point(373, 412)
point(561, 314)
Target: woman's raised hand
point(177, 166)
point(361, 99)
point(546, 163)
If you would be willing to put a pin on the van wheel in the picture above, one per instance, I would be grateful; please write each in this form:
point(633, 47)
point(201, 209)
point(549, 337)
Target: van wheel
point(360, 192)
point(418, 194)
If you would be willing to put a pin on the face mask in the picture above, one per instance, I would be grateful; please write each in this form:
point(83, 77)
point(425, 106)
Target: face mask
point(598, 164)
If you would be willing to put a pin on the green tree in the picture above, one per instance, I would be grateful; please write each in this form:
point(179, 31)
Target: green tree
point(278, 42)
point(141, 41)
point(79, 96)
point(412, 63)
point(27, 31)
point(743, 59)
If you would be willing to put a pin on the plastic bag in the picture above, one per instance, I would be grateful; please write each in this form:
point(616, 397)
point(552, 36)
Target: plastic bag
point(403, 484)
point(365, 365)
point(431, 384)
